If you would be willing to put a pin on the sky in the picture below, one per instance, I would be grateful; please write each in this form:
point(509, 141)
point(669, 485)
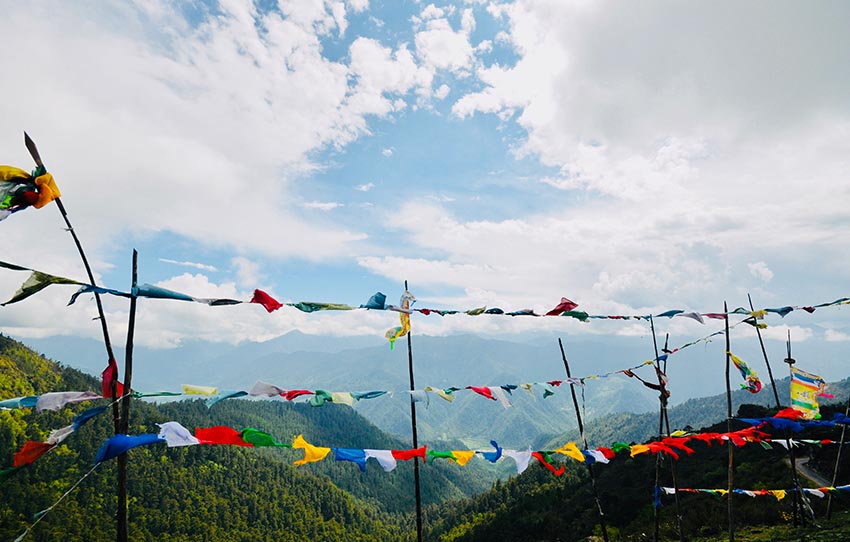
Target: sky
point(633, 157)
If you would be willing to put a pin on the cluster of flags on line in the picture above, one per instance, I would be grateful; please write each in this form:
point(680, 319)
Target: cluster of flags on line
point(33, 450)
point(779, 494)
point(174, 434)
point(20, 189)
point(39, 280)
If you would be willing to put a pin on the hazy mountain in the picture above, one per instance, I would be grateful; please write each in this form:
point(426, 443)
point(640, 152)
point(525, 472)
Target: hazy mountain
point(296, 360)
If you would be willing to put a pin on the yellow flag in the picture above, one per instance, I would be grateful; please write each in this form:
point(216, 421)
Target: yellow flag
point(311, 453)
point(463, 456)
point(570, 449)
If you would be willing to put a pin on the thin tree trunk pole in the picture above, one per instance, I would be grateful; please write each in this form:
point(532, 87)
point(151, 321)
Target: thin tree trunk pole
point(122, 515)
point(766, 361)
point(837, 461)
point(791, 454)
point(33, 150)
point(416, 481)
point(729, 485)
point(662, 397)
point(584, 440)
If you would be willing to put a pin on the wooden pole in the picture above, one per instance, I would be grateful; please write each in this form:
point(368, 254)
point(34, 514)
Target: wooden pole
point(33, 150)
point(766, 361)
point(729, 485)
point(584, 440)
point(837, 461)
point(415, 436)
point(125, 408)
point(662, 397)
point(792, 454)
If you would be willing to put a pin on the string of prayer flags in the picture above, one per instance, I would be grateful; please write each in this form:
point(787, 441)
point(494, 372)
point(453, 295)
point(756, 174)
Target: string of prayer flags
point(778, 494)
point(752, 382)
point(404, 315)
point(33, 450)
point(805, 389)
point(19, 189)
point(36, 282)
point(566, 308)
point(49, 401)
point(174, 434)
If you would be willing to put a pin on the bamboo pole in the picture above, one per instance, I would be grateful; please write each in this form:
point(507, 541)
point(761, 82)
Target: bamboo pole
point(415, 436)
point(837, 461)
point(33, 150)
point(766, 361)
point(584, 440)
point(791, 458)
point(792, 454)
point(729, 429)
point(123, 532)
point(662, 397)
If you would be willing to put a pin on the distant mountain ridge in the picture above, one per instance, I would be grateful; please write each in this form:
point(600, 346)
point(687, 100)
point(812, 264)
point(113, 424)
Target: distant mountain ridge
point(459, 360)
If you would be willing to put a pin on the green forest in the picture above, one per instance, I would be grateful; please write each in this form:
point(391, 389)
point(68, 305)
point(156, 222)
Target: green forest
point(218, 493)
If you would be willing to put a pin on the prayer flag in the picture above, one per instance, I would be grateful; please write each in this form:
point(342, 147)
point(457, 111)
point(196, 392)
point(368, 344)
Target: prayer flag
point(384, 458)
point(19, 189)
point(175, 434)
point(119, 444)
point(805, 388)
point(564, 306)
point(311, 453)
point(31, 451)
point(268, 302)
point(753, 384)
point(220, 435)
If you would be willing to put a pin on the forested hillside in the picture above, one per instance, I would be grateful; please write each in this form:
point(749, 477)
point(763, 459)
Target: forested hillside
point(204, 492)
point(537, 506)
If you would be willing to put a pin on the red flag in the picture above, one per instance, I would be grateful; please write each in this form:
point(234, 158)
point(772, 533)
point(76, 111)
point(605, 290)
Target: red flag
point(539, 457)
point(271, 304)
point(564, 306)
point(109, 375)
point(406, 455)
point(789, 413)
point(220, 435)
point(292, 394)
point(482, 390)
point(31, 451)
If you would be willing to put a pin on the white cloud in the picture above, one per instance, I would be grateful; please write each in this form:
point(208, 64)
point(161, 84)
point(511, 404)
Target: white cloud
point(387, 152)
point(833, 335)
point(322, 205)
point(432, 12)
point(442, 92)
point(760, 270)
point(441, 47)
point(365, 187)
point(380, 72)
point(248, 273)
point(201, 266)
point(167, 105)
point(358, 6)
